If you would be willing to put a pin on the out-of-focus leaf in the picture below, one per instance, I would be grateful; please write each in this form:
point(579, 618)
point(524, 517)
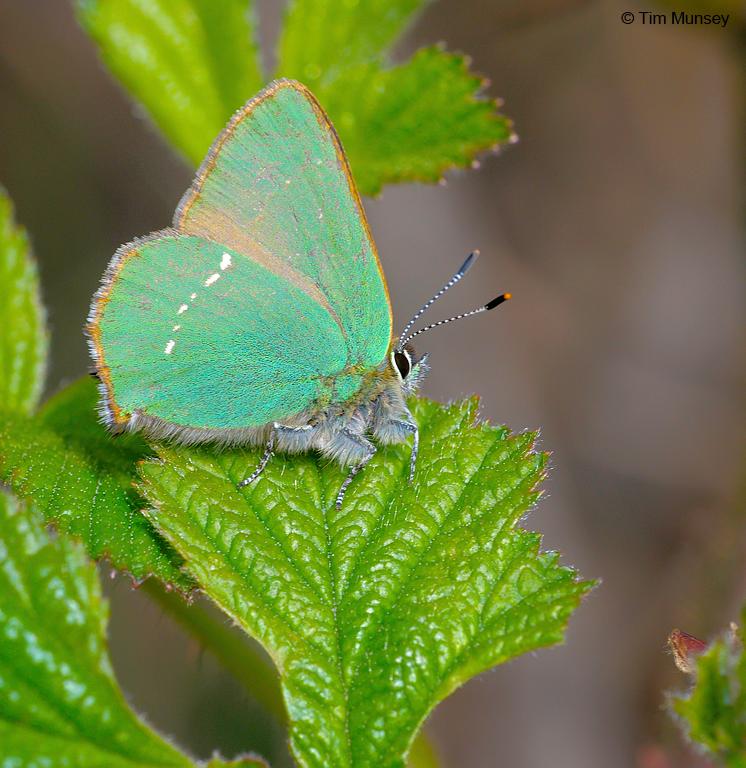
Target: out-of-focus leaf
point(321, 39)
point(192, 63)
point(23, 338)
point(375, 612)
point(187, 64)
point(714, 710)
point(81, 479)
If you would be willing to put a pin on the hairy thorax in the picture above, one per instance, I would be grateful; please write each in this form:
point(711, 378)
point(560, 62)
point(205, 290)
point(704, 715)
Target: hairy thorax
point(341, 430)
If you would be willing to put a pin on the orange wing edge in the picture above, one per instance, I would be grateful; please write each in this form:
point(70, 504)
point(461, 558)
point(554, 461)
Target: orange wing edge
point(111, 414)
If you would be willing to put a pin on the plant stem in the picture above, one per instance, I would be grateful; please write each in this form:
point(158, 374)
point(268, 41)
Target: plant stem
point(246, 663)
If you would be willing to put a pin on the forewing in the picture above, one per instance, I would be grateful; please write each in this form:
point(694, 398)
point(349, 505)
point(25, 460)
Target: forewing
point(200, 335)
point(277, 181)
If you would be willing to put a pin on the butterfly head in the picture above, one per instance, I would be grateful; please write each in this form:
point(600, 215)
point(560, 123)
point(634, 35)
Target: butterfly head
point(409, 368)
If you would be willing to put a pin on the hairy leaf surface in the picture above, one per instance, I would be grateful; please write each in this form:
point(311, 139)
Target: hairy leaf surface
point(59, 702)
point(23, 338)
point(413, 121)
point(81, 479)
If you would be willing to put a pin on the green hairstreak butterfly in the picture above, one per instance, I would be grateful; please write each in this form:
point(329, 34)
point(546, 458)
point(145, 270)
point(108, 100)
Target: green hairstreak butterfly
point(262, 315)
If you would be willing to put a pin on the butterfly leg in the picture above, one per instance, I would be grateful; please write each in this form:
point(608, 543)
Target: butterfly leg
point(293, 439)
point(277, 431)
point(370, 452)
point(408, 426)
point(268, 454)
point(393, 423)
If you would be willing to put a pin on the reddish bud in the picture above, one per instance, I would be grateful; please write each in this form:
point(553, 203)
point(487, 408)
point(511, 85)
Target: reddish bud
point(685, 648)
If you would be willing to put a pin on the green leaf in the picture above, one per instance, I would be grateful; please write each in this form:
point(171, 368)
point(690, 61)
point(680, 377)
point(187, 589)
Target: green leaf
point(376, 612)
point(714, 710)
point(59, 702)
point(81, 479)
point(23, 338)
point(187, 62)
point(407, 123)
point(246, 663)
point(321, 39)
point(72, 414)
point(192, 63)
point(422, 754)
point(414, 121)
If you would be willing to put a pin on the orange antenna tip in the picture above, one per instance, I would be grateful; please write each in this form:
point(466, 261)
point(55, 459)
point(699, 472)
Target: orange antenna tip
point(496, 302)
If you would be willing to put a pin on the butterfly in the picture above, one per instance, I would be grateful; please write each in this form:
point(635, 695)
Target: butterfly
point(262, 315)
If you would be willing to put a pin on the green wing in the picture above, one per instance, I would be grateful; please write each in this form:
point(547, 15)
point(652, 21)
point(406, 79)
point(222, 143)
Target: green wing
point(202, 335)
point(277, 182)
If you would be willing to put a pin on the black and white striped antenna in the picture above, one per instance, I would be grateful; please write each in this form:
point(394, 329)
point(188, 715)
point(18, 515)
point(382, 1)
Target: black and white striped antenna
point(462, 270)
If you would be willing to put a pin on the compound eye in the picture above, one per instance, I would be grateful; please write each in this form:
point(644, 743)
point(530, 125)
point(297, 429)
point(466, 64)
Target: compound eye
point(401, 359)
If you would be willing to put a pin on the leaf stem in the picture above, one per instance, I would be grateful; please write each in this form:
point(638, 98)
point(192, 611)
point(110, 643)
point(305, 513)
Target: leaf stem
point(245, 662)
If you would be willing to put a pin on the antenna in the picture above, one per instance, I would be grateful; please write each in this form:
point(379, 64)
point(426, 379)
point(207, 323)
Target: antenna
point(486, 308)
point(462, 270)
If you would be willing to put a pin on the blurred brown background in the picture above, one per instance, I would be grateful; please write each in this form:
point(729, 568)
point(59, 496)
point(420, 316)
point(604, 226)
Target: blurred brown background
point(617, 224)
